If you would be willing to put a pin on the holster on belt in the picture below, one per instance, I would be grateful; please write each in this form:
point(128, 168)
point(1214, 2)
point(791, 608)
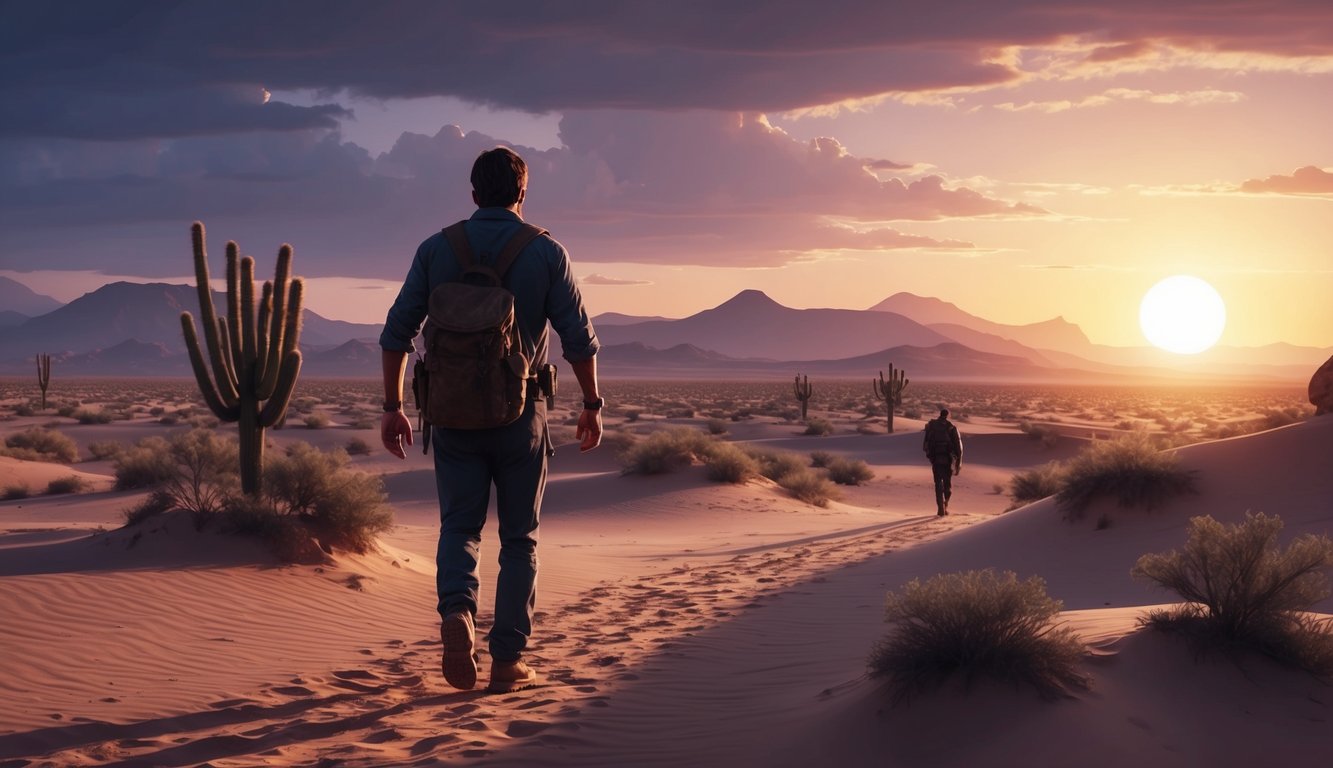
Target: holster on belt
point(546, 383)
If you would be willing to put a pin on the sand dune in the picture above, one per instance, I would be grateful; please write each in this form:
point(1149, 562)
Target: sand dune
point(681, 623)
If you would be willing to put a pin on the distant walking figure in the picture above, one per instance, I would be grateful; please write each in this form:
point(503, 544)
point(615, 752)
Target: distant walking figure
point(944, 449)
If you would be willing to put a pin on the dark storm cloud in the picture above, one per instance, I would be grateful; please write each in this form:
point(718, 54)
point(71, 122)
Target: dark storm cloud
point(158, 68)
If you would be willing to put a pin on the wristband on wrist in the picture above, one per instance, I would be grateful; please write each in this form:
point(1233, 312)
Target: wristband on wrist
point(393, 405)
point(594, 405)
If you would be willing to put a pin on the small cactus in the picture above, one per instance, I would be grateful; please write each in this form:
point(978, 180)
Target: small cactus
point(890, 390)
point(802, 389)
point(254, 355)
point(43, 375)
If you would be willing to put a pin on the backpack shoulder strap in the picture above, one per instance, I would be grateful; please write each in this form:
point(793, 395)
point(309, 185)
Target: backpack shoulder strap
point(517, 242)
point(457, 237)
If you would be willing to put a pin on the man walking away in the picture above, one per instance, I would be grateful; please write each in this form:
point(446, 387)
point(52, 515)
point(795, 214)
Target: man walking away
point(483, 395)
point(944, 449)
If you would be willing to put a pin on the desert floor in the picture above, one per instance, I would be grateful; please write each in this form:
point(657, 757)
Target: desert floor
point(681, 621)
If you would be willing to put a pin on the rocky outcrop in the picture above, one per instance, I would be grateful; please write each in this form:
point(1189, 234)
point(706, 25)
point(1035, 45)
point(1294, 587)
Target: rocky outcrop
point(1321, 388)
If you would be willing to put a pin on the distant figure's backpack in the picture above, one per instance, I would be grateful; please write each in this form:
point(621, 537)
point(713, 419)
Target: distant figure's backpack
point(939, 441)
point(476, 371)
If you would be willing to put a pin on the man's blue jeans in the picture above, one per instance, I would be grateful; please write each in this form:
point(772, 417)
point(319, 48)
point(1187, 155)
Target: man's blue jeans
point(467, 462)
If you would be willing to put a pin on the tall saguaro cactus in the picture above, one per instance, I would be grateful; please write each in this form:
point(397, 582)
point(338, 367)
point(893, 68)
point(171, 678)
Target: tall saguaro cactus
point(802, 389)
point(253, 350)
point(890, 390)
point(43, 375)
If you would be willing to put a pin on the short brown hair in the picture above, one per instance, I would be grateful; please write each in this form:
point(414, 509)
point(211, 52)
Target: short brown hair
point(498, 176)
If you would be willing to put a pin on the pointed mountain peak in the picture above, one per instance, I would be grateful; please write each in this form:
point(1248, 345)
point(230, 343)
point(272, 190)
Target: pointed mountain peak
point(750, 299)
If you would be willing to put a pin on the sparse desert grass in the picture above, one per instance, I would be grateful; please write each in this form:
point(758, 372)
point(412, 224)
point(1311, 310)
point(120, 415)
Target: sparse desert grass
point(976, 624)
point(666, 450)
point(71, 484)
point(318, 420)
point(775, 465)
point(818, 426)
point(1244, 592)
point(844, 471)
point(1128, 469)
point(41, 444)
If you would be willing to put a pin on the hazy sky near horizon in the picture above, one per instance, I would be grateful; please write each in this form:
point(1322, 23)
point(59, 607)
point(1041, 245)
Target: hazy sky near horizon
point(1022, 160)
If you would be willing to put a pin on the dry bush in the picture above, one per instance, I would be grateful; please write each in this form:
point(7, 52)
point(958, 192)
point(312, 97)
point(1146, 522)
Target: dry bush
point(817, 426)
point(717, 427)
point(156, 503)
point(666, 451)
point(1036, 483)
point(341, 508)
point(844, 471)
point(40, 444)
point(775, 465)
point(726, 463)
point(71, 484)
point(15, 492)
point(976, 624)
point(102, 450)
point(1046, 435)
point(85, 416)
point(358, 447)
point(809, 487)
point(318, 420)
point(1128, 469)
point(146, 464)
point(1244, 592)
point(821, 459)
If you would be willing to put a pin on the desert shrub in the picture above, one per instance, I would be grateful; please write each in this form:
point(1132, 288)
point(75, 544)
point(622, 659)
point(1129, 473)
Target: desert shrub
point(156, 410)
point(725, 463)
point(817, 426)
point(364, 422)
point(286, 537)
point(156, 503)
point(680, 413)
point(775, 464)
point(15, 491)
point(203, 421)
point(102, 450)
point(66, 411)
point(809, 487)
point(71, 484)
point(1280, 417)
point(147, 463)
point(318, 420)
point(845, 471)
point(358, 447)
point(85, 416)
point(341, 507)
point(1036, 483)
point(717, 426)
point(1244, 592)
point(24, 409)
point(820, 459)
point(40, 444)
point(976, 624)
point(1046, 435)
point(206, 470)
point(1129, 469)
point(665, 451)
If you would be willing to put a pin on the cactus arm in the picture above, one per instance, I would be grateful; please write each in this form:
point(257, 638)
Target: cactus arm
point(249, 351)
point(234, 307)
point(208, 316)
point(292, 333)
point(201, 374)
point(278, 318)
point(276, 407)
point(223, 335)
point(261, 348)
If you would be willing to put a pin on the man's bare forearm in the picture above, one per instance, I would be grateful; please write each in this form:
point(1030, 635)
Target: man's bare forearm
point(586, 373)
point(395, 364)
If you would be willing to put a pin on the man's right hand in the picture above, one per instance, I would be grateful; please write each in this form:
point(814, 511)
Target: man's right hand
point(396, 431)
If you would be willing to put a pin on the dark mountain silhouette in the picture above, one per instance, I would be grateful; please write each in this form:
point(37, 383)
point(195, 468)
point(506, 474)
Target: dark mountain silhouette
point(148, 312)
point(752, 325)
point(616, 318)
point(11, 319)
point(128, 358)
point(17, 297)
point(357, 358)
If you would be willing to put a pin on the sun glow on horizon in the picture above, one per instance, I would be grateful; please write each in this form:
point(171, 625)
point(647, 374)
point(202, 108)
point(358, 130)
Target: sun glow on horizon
point(1182, 314)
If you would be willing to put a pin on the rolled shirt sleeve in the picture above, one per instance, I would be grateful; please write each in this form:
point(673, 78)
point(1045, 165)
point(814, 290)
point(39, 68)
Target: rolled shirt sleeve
point(408, 312)
point(565, 310)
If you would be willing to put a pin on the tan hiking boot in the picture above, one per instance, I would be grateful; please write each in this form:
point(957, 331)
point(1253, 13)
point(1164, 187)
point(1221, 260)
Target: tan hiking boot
point(458, 663)
point(511, 676)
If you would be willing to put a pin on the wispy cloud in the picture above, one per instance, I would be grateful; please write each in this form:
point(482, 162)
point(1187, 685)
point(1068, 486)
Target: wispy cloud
point(597, 279)
point(1308, 181)
point(1114, 95)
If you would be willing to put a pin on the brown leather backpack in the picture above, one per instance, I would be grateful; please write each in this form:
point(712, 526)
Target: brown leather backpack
point(476, 373)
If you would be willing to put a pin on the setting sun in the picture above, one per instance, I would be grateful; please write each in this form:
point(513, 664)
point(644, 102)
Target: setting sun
point(1182, 314)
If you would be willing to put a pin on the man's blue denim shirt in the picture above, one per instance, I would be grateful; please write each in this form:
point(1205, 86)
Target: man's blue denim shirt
point(540, 279)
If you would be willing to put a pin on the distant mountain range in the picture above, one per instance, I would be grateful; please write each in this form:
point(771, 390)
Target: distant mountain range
point(133, 329)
